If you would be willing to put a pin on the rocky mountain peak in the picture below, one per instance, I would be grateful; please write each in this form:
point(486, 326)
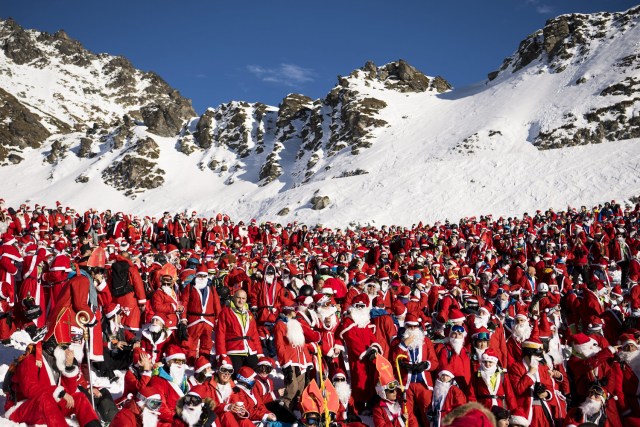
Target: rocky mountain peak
point(403, 77)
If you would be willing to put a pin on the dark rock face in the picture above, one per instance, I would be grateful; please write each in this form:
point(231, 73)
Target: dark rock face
point(85, 148)
point(23, 130)
point(18, 44)
point(319, 202)
point(163, 119)
point(204, 129)
point(58, 152)
point(403, 77)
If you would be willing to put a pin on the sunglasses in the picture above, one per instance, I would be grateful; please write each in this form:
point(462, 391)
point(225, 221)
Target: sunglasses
point(339, 379)
point(359, 305)
point(153, 404)
point(191, 400)
point(264, 369)
point(225, 371)
point(179, 361)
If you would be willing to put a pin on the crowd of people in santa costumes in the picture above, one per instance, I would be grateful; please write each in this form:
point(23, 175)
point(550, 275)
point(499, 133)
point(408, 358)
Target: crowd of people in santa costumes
point(527, 321)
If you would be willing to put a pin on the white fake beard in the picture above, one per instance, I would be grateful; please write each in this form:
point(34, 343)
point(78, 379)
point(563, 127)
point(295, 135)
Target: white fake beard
point(225, 391)
point(522, 332)
point(200, 282)
point(324, 312)
point(555, 350)
point(503, 304)
point(384, 286)
point(592, 351)
point(191, 415)
point(297, 283)
point(269, 279)
point(149, 417)
point(155, 328)
point(114, 325)
point(481, 321)
point(487, 373)
point(457, 344)
point(440, 390)
point(415, 337)
point(78, 351)
point(361, 316)
point(330, 322)
point(343, 390)
point(177, 372)
point(590, 407)
point(294, 333)
point(59, 356)
point(480, 352)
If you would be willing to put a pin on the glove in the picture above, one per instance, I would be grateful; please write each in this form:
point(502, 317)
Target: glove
point(372, 354)
point(406, 365)
point(420, 367)
point(288, 375)
point(183, 334)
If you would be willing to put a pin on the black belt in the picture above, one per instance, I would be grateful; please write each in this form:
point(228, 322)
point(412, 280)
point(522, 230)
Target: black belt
point(239, 338)
point(190, 313)
point(490, 396)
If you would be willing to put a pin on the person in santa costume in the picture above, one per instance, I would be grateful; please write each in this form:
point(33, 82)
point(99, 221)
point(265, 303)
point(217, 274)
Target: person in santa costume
point(347, 412)
point(78, 298)
point(590, 364)
point(417, 360)
point(331, 345)
point(219, 388)
point(117, 351)
point(31, 293)
point(171, 382)
point(490, 385)
point(134, 300)
point(532, 384)
point(597, 409)
point(44, 386)
point(138, 375)
point(237, 334)
point(446, 396)
point(520, 332)
point(202, 309)
point(389, 409)
point(202, 371)
point(194, 411)
point(244, 403)
point(357, 334)
point(10, 259)
point(143, 410)
point(266, 298)
point(454, 357)
point(165, 301)
point(627, 372)
point(293, 354)
point(155, 337)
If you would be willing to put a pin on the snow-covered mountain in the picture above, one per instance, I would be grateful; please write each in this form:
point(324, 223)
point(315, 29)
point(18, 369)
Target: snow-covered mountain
point(554, 125)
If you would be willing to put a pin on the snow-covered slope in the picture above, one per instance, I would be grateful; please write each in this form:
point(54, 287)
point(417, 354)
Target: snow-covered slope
point(557, 124)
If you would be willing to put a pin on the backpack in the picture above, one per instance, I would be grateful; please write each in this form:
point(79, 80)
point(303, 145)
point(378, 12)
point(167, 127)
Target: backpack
point(120, 281)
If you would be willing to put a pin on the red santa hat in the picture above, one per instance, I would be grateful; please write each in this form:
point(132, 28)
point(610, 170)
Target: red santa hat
point(383, 275)
point(303, 300)
point(447, 373)
point(339, 373)
point(627, 339)
point(360, 299)
point(456, 315)
point(378, 302)
point(404, 291)
point(399, 309)
point(490, 355)
point(137, 352)
point(174, 352)
point(412, 320)
point(518, 417)
point(320, 299)
point(595, 323)
point(201, 364)
point(225, 363)
point(111, 309)
point(582, 342)
point(246, 374)
point(616, 291)
point(265, 361)
point(171, 248)
point(202, 269)
point(360, 278)
point(544, 327)
point(160, 318)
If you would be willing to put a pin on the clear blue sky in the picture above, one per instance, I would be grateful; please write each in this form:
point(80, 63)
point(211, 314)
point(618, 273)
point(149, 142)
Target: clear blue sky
point(218, 51)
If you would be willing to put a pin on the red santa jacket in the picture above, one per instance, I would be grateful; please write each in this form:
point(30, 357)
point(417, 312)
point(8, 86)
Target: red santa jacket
point(288, 354)
point(201, 305)
point(252, 402)
point(391, 414)
point(425, 353)
point(269, 299)
point(595, 368)
point(523, 384)
point(170, 392)
point(237, 333)
point(166, 302)
point(129, 416)
point(458, 364)
point(134, 380)
point(265, 389)
point(454, 398)
point(488, 395)
point(156, 347)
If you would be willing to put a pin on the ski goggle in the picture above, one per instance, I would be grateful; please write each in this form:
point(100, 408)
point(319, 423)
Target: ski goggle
point(153, 404)
point(191, 400)
point(339, 379)
point(225, 371)
point(392, 386)
point(596, 390)
point(457, 328)
point(482, 336)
